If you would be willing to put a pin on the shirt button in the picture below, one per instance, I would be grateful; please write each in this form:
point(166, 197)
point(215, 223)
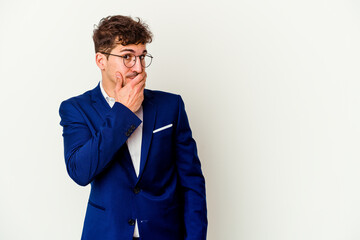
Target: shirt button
point(131, 222)
point(137, 190)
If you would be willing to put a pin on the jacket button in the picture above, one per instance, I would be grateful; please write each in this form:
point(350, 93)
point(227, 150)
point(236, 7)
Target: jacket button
point(132, 127)
point(137, 190)
point(128, 133)
point(131, 222)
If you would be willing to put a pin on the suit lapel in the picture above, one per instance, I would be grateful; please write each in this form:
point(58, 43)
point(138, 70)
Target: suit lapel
point(149, 115)
point(102, 108)
point(127, 163)
point(99, 102)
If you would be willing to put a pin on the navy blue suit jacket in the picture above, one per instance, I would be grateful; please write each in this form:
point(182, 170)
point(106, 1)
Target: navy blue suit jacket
point(168, 197)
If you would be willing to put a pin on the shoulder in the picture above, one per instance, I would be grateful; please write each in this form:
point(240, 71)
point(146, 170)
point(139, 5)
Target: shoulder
point(74, 107)
point(79, 100)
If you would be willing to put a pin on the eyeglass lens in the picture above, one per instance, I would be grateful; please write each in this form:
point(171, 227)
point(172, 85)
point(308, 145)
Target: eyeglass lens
point(130, 61)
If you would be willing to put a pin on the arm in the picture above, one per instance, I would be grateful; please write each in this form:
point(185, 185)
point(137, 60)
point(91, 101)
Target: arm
point(191, 179)
point(87, 153)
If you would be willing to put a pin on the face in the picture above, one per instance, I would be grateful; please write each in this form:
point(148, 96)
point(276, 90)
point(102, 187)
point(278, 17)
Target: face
point(113, 64)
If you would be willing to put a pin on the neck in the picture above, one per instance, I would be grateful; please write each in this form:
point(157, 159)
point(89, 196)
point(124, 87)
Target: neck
point(109, 87)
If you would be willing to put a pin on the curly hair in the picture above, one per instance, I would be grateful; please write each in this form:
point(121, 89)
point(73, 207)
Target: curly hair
point(113, 30)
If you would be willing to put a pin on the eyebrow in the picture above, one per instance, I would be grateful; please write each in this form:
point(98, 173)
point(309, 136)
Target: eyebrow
point(131, 50)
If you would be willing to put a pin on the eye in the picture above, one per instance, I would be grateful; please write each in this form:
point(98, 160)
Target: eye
point(142, 57)
point(126, 56)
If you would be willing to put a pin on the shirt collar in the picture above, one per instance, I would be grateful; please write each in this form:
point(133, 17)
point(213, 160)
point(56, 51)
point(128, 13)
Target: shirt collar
point(109, 100)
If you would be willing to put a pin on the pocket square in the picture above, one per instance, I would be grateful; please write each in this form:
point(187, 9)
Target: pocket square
point(162, 128)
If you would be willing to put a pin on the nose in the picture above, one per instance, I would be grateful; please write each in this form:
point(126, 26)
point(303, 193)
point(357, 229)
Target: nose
point(138, 67)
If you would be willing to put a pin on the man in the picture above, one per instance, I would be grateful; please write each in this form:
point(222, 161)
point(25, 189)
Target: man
point(133, 145)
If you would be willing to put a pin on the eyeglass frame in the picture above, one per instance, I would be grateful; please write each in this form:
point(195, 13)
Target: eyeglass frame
point(123, 57)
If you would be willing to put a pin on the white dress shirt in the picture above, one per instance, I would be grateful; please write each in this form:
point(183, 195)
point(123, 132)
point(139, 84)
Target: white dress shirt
point(133, 142)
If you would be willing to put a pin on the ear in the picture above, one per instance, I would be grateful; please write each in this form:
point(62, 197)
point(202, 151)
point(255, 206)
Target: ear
point(101, 60)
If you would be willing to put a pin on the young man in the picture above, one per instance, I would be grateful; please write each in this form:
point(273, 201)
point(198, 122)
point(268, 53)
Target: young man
point(133, 145)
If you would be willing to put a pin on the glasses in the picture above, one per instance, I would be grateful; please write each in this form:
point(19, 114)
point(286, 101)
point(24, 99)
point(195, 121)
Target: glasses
point(130, 59)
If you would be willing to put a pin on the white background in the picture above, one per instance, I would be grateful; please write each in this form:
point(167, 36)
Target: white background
point(272, 93)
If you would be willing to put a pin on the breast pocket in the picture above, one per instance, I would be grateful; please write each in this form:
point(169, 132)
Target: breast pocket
point(162, 140)
point(166, 128)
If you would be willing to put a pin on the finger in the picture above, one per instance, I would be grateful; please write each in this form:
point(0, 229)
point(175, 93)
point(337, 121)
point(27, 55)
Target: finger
point(143, 88)
point(140, 87)
point(139, 80)
point(119, 81)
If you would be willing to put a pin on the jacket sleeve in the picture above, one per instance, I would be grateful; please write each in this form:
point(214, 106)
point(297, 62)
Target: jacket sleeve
point(87, 153)
point(191, 179)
